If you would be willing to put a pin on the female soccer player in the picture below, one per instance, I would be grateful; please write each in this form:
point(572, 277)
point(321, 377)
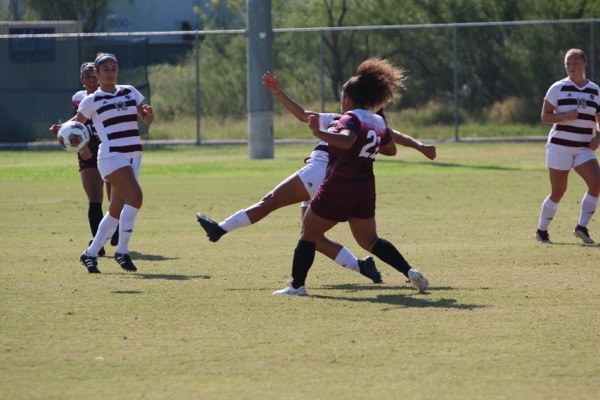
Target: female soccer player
point(114, 109)
point(348, 190)
point(92, 182)
point(302, 186)
point(572, 106)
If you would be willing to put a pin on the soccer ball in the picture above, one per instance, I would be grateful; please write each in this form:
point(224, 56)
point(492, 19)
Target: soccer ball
point(73, 136)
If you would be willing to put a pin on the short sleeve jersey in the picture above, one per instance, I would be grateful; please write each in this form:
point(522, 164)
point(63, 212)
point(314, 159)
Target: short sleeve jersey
point(356, 163)
point(327, 122)
point(565, 96)
point(76, 100)
point(115, 117)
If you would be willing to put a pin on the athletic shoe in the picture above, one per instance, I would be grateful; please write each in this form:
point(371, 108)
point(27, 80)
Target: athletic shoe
point(102, 252)
point(582, 233)
point(289, 289)
point(418, 281)
point(368, 269)
point(213, 230)
point(91, 263)
point(124, 261)
point(542, 236)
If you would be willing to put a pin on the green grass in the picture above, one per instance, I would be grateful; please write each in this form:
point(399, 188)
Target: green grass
point(506, 317)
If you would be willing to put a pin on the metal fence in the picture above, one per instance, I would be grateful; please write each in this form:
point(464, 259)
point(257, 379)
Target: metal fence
point(465, 67)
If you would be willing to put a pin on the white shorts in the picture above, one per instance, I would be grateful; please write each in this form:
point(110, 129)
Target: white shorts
point(312, 176)
point(564, 161)
point(107, 166)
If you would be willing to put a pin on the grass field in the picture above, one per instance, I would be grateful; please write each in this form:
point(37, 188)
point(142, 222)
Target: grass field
point(505, 317)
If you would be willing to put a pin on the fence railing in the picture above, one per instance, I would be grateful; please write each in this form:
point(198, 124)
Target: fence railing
point(458, 72)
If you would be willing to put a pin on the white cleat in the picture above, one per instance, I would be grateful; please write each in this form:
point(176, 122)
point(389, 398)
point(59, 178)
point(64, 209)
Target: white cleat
point(418, 281)
point(289, 289)
point(582, 233)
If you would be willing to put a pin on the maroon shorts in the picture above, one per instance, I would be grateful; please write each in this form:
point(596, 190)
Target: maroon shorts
point(91, 162)
point(338, 201)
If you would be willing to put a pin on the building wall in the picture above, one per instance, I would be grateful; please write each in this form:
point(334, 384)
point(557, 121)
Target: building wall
point(154, 15)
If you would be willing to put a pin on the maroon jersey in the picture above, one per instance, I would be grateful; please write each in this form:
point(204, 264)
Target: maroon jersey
point(348, 189)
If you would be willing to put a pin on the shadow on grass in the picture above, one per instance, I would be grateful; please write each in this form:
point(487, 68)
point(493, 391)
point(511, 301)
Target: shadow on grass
point(166, 277)
point(139, 256)
point(171, 277)
point(149, 257)
point(413, 300)
point(578, 244)
point(127, 292)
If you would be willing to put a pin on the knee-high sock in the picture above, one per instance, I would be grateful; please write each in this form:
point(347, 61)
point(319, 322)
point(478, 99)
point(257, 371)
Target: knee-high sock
point(304, 255)
point(95, 215)
point(588, 208)
point(126, 225)
point(237, 220)
point(549, 209)
point(345, 258)
point(388, 253)
point(105, 230)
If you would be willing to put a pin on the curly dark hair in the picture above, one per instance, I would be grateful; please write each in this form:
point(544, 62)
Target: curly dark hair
point(375, 84)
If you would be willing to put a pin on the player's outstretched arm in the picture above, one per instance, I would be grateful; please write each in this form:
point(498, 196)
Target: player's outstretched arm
point(405, 140)
point(271, 83)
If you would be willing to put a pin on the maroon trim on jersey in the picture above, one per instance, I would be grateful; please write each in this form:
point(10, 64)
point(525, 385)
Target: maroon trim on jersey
point(120, 119)
point(112, 106)
point(123, 134)
point(572, 88)
point(575, 129)
point(121, 92)
point(568, 143)
point(125, 149)
point(322, 147)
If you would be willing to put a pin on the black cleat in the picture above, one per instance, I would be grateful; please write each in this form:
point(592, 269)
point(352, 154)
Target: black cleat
point(368, 269)
point(125, 262)
point(213, 230)
point(543, 237)
point(89, 262)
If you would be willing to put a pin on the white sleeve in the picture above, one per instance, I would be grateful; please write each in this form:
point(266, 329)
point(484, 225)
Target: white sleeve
point(326, 120)
point(86, 107)
point(552, 94)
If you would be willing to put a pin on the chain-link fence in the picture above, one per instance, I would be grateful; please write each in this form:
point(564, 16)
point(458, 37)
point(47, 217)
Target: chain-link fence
point(457, 72)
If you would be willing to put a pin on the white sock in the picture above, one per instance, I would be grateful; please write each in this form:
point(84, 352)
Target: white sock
point(588, 208)
point(126, 225)
point(106, 228)
point(348, 260)
point(237, 220)
point(549, 209)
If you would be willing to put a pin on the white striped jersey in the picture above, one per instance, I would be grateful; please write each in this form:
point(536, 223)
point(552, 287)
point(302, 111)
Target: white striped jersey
point(76, 100)
point(327, 121)
point(565, 95)
point(115, 117)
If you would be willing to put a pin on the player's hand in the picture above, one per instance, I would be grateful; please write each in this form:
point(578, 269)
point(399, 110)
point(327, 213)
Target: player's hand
point(594, 143)
point(569, 115)
point(271, 83)
point(85, 153)
point(147, 114)
point(54, 129)
point(429, 151)
point(313, 123)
